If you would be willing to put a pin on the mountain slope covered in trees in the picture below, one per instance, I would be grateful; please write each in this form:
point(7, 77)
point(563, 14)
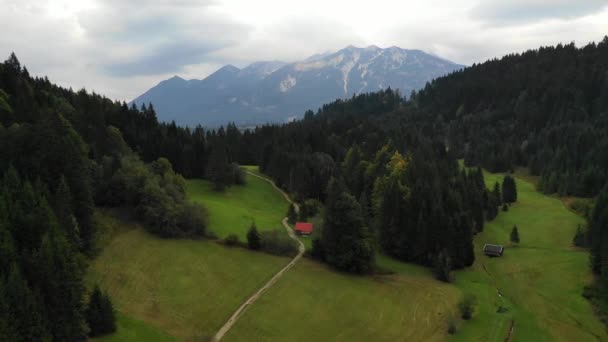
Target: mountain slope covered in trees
point(60, 158)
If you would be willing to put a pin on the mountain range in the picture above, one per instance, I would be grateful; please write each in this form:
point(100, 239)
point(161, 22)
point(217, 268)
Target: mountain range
point(275, 91)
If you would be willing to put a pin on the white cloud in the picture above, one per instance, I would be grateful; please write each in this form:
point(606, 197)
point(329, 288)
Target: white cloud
point(122, 47)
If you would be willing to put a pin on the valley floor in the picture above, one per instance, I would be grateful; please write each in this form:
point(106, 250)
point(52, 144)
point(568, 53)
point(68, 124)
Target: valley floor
point(539, 282)
point(186, 289)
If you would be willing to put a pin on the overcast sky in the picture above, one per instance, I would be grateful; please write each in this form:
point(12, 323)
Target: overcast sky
point(120, 48)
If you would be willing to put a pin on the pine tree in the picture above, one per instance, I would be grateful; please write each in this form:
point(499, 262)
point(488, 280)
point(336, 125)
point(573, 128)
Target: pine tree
point(292, 217)
point(443, 267)
point(65, 216)
point(347, 242)
point(218, 169)
point(253, 238)
point(303, 214)
point(24, 309)
point(497, 195)
point(100, 314)
point(514, 235)
point(61, 285)
point(509, 189)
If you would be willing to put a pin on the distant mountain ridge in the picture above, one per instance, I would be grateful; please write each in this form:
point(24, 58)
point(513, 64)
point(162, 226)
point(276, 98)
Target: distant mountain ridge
point(275, 91)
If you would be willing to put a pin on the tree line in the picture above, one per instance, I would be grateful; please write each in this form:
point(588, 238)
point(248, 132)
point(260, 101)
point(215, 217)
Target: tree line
point(61, 157)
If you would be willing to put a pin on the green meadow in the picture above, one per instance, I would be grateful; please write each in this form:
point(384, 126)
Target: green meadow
point(185, 289)
point(129, 329)
point(314, 303)
point(532, 293)
point(233, 211)
point(538, 283)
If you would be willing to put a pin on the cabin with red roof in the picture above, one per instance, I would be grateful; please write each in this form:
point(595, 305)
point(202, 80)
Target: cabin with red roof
point(303, 228)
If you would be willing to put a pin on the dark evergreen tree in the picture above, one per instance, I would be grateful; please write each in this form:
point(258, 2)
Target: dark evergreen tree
point(598, 235)
point(514, 235)
point(292, 216)
point(253, 238)
point(509, 190)
point(443, 267)
point(497, 195)
point(219, 170)
point(347, 243)
point(100, 314)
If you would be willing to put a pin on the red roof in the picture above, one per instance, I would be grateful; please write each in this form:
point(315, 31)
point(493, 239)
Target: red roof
point(304, 227)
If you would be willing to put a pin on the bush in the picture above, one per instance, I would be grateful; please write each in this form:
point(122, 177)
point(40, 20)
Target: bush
point(277, 242)
point(505, 207)
point(155, 191)
point(451, 325)
point(582, 207)
point(232, 240)
point(192, 220)
point(580, 237)
point(466, 306)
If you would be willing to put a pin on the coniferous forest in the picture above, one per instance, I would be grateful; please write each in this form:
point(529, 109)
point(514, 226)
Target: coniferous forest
point(386, 167)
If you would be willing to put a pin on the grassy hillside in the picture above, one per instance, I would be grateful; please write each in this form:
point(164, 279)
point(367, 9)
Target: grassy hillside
point(539, 282)
point(184, 288)
point(233, 211)
point(129, 329)
point(315, 303)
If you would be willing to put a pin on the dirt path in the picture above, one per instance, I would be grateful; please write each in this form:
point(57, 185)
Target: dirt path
point(301, 249)
point(511, 328)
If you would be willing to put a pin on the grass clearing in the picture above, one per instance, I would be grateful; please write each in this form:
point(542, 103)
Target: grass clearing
point(313, 302)
point(129, 329)
point(184, 288)
point(233, 211)
point(539, 282)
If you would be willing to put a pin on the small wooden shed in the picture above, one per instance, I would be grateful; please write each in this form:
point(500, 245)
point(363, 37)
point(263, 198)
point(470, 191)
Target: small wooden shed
point(303, 228)
point(493, 250)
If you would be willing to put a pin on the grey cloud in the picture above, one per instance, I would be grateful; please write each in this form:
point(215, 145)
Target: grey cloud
point(291, 39)
point(170, 58)
point(158, 38)
point(500, 12)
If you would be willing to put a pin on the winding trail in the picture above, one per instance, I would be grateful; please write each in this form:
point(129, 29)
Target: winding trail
point(301, 249)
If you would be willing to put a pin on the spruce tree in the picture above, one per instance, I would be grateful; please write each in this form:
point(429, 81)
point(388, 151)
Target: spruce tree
point(218, 169)
point(509, 189)
point(497, 194)
point(292, 217)
point(253, 238)
point(514, 235)
point(443, 267)
point(63, 210)
point(61, 285)
point(347, 243)
point(100, 314)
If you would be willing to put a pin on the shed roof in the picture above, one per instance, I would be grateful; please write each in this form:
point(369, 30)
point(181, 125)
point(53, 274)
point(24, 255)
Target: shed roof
point(304, 227)
point(492, 248)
